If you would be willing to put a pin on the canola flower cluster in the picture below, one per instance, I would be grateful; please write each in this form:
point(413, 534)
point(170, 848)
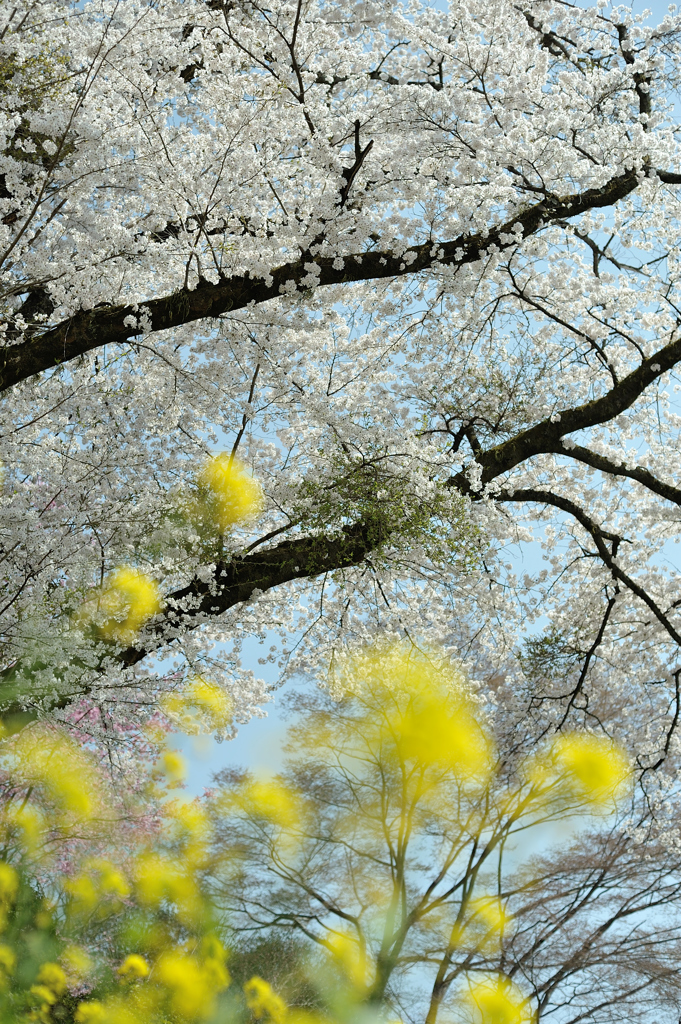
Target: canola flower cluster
point(177, 972)
point(491, 999)
point(43, 763)
point(226, 496)
point(121, 607)
point(201, 706)
point(416, 709)
point(413, 720)
point(227, 493)
point(411, 712)
point(496, 1000)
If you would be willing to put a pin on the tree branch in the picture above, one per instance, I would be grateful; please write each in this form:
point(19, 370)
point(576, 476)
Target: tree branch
point(605, 465)
point(231, 583)
point(108, 325)
point(546, 436)
point(599, 536)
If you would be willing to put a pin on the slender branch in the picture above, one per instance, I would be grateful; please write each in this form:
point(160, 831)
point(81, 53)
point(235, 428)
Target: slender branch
point(599, 536)
point(546, 436)
point(239, 580)
point(350, 173)
point(605, 465)
point(598, 640)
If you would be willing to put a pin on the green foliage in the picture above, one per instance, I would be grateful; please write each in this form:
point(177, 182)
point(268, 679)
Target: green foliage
point(284, 959)
point(396, 511)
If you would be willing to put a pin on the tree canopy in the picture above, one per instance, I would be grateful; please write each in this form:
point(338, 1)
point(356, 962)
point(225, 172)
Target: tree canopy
point(417, 265)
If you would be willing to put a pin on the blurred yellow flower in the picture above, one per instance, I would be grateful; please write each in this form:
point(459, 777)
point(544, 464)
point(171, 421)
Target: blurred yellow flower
point(91, 1013)
point(40, 757)
point(134, 966)
point(7, 964)
point(28, 822)
point(213, 959)
point(174, 765)
point(127, 601)
point(496, 1000)
point(487, 923)
point(51, 984)
point(191, 819)
point(228, 493)
point(191, 985)
point(347, 954)
point(52, 975)
point(9, 883)
point(131, 1009)
point(83, 892)
point(98, 882)
point(201, 706)
point(76, 962)
point(423, 708)
point(271, 800)
point(263, 1001)
point(113, 882)
point(594, 767)
point(159, 879)
point(433, 733)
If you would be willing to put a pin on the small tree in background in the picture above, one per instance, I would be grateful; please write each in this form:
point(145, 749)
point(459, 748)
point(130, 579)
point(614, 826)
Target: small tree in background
point(399, 836)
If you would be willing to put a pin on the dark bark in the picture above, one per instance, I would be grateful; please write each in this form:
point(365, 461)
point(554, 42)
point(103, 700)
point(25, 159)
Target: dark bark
point(546, 437)
point(307, 557)
point(91, 329)
point(237, 581)
point(186, 608)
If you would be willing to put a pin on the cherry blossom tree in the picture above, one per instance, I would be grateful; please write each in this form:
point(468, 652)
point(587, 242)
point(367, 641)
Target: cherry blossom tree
point(417, 264)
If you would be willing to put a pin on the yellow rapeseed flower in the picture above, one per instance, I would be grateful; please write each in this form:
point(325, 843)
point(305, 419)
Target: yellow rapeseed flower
point(134, 966)
point(263, 1001)
point(158, 879)
point(7, 964)
point(422, 704)
point(228, 493)
point(83, 892)
point(53, 977)
point(93, 1012)
point(9, 884)
point(28, 822)
point(496, 1000)
point(200, 706)
point(127, 601)
point(174, 765)
point(431, 733)
point(50, 985)
point(348, 955)
point(271, 800)
point(43, 761)
point(99, 881)
point(76, 962)
point(593, 766)
point(193, 828)
point(488, 922)
point(136, 1007)
point(192, 986)
point(111, 880)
